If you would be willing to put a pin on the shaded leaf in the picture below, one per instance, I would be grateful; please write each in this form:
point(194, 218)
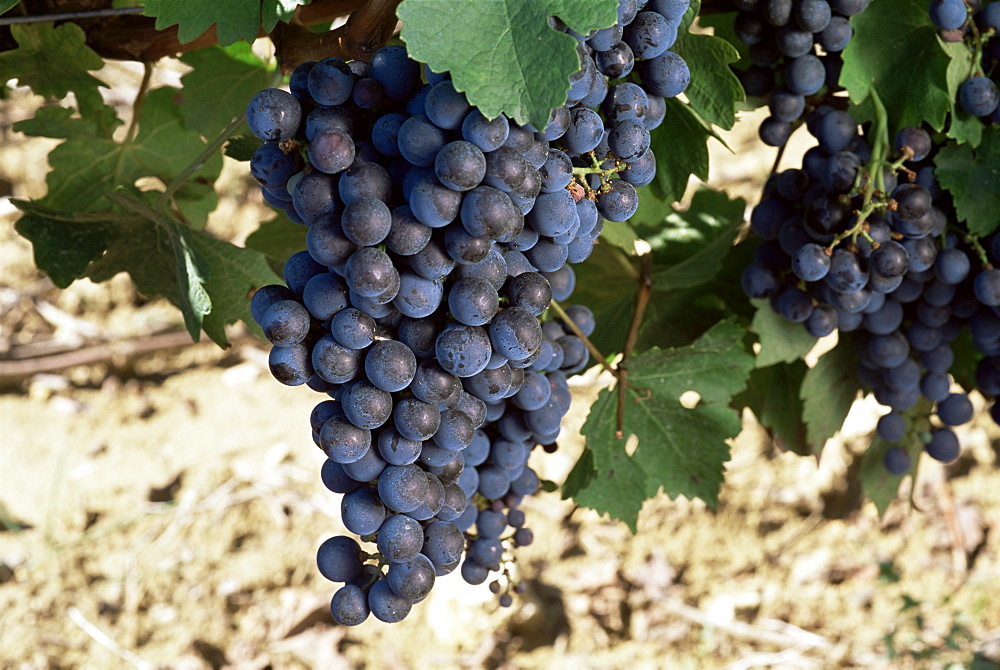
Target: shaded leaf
point(220, 85)
point(828, 391)
point(234, 19)
point(781, 341)
point(714, 89)
point(54, 61)
point(972, 175)
point(680, 146)
point(773, 396)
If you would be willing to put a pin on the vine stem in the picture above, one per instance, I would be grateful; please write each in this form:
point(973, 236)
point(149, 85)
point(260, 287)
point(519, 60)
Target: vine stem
point(594, 351)
point(199, 162)
point(133, 124)
point(641, 303)
point(870, 180)
point(626, 266)
point(592, 170)
point(70, 16)
point(208, 152)
point(973, 241)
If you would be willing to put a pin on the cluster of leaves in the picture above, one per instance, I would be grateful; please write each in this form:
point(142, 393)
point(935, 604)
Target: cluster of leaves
point(136, 198)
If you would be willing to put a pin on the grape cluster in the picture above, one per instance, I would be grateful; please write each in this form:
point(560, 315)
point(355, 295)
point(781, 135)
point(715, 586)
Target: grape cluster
point(978, 95)
point(795, 49)
point(437, 240)
point(844, 249)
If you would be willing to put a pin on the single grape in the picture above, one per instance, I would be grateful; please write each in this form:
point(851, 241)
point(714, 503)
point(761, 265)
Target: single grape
point(978, 96)
point(896, 461)
point(943, 445)
point(386, 605)
point(273, 115)
point(667, 75)
point(948, 14)
point(349, 606)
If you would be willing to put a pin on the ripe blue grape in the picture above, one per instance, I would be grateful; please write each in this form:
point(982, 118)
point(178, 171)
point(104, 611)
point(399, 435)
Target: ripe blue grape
point(667, 75)
point(943, 445)
point(896, 461)
point(385, 604)
point(460, 165)
point(285, 322)
point(584, 131)
point(649, 35)
point(619, 202)
point(986, 287)
point(349, 606)
point(978, 96)
point(487, 134)
point(273, 115)
point(390, 365)
point(955, 410)
point(400, 538)
point(411, 579)
point(805, 75)
point(418, 296)
point(948, 14)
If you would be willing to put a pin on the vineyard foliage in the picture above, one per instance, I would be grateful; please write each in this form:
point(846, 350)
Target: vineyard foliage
point(665, 285)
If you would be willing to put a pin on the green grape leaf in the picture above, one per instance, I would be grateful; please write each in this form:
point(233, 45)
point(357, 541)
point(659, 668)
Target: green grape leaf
point(678, 450)
point(688, 251)
point(502, 53)
point(187, 290)
point(972, 175)
point(699, 267)
point(620, 235)
point(828, 391)
point(607, 284)
point(963, 127)
point(65, 243)
point(895, 50)
point(967, 358)
point(680, 145)
point(206, 278)
point(773, 395)
point(676, 235)
point(781, 341)
point(95, 222)
point(582, 473)
point(606, 479)
point(273, 11)
point(236, 273)
point(7, 5)
point(693, 243)
point(278, 239)
point(54, 61)
point(220, 85)
point(881, 486)
point(714, 89)
point(241, 147)
point(90, 163)
point(723, 26)
point(234, 19)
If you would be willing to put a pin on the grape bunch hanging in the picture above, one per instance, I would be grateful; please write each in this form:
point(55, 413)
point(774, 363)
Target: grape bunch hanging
point(426, 303)
point(863, 240)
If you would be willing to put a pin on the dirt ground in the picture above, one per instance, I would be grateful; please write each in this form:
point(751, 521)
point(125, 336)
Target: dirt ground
point(163, 511)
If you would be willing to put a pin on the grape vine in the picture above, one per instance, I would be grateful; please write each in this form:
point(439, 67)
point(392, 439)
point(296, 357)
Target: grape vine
point(473, 210)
